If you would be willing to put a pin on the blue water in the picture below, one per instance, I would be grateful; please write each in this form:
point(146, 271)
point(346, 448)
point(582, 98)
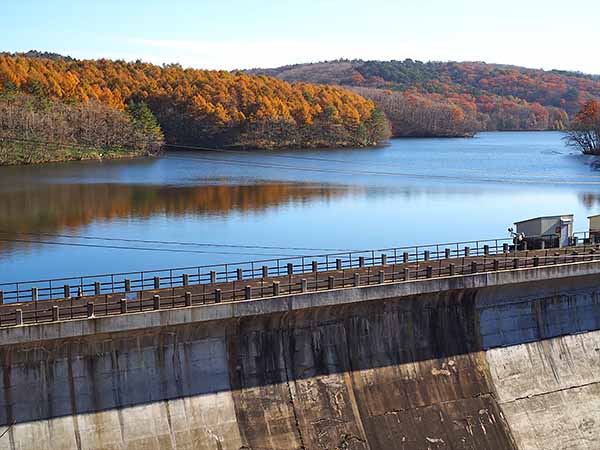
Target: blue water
point(412, 191)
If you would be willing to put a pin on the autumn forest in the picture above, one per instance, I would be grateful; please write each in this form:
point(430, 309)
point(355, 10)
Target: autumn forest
point(59, 108)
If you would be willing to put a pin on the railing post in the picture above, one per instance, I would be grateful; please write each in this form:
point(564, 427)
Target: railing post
point(338, 264)
point(123, 304)
point(240, 274)
point(97, 288)
point(536, 261)
point(213, 277)
point(447, 253)
point(486, 250)
point(1, 297)
point(265, 272)
point(330, 282)
point(361, 261)
point(248, 292)
point(515, 263)
point(543, 247)
point(156, 301)
point(55, 314)
point(303, 285)
point(156, 282)
point(186, 279)
point(315, 266)
point(426, 255)
point(34, 294)
point(356, 279)
point(275, 288)
point(19, 317)
point(90, 310)
point(467, 252)
point(405, 257)
point(505, 248)
point(524, 245)
point(127, 285)
point(406, 274)
point(188, 299)
point(429, 271)
point(451, 269)
point(79, 292)
point(218, 296)
point(381, 277)
point(473, 267)
point(496, 265)
point(66, 291)
point(290, 269)
point(383, 259)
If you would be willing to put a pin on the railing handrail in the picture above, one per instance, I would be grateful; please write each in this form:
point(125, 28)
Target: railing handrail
point(256, 261)
point(139, 281)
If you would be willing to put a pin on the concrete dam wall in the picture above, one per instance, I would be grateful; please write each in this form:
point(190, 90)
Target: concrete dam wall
point(506, 360)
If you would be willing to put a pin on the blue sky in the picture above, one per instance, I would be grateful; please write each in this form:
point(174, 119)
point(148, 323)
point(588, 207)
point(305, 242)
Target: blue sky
point(228, 34)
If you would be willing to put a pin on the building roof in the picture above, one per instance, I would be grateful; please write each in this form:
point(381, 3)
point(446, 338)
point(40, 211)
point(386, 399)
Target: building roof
point(546, 217)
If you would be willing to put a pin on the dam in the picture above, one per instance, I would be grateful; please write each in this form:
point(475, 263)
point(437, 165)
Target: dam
point(496, 352)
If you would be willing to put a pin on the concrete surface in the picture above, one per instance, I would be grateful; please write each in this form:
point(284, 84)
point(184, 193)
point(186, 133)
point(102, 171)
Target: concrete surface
point(505, 360)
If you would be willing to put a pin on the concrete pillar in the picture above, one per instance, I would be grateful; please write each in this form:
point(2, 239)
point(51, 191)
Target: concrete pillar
point(473, 267)
point(496, 265)
point(315, 266)
point(34, 294)
point(123, 304)
point(452, 269)
point(156, 301)
point(66, 291)
point(384, 259)
point(338, 264)
point(406, 274)
point(188, 299)
point(97, 288)
point(19, 317)
point(186, 279)
point(426, 255)
point(356, 279)
point(447, 253)
point(543, 245)
point(381, 277)
point(55, 314)
point(505, 248)
point(486, 250)
point(467, 252)
point(218, 296)
point(156, 283)
point(240, 274)
point(127, 285)
point(265, 271)
point(290, 269)
point(276, 289)
point(330, 283)
point(361, 261)
point(90, 310)
point(248, 292)
point(213, 277)
point(429, 271)
point(303, 285)
point(405, 257)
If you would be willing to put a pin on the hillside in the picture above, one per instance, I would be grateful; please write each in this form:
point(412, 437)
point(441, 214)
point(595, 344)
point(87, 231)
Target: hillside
point(490, 96)
point(204, 108)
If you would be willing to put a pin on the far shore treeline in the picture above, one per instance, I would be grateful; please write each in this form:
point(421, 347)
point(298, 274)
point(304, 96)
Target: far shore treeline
point(67, 102)
point(55, 108)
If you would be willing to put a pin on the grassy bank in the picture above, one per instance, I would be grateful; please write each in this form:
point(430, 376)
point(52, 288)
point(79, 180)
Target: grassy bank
point(20, 153)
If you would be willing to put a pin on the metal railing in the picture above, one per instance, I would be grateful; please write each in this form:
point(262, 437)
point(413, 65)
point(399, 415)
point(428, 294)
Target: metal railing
point(126, 282)
point(317, 281)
